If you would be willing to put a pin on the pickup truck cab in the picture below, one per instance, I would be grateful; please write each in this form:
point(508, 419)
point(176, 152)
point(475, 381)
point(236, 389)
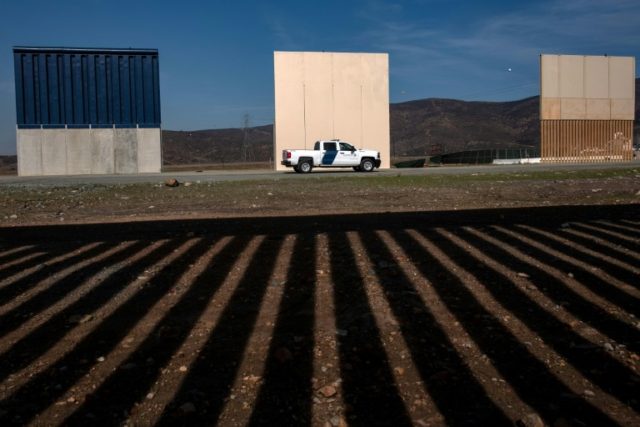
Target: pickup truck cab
point(334, 154)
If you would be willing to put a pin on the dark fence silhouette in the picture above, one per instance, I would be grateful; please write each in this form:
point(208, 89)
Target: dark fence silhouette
point(71, 295)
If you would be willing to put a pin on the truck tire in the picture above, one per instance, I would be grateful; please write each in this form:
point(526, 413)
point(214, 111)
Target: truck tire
point(367, 165)
point(305, 166)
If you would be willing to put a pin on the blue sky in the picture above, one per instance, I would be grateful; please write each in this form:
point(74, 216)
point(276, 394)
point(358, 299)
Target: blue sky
point(216, 57)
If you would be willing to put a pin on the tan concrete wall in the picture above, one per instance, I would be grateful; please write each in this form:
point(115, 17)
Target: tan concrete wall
point(571, 76)
point(79, 154)
point(577, 87)
point(596, 74)
point(54, 152)
point(125, 147)
point(622, 81)
point(549, 76)
point(325, 95)
point(88, 151)
point(29, 149)
point(149, 152)
point(102, 152)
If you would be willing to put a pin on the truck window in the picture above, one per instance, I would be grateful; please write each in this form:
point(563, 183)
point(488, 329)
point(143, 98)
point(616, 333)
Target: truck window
point(331, 146)
point(346, 147)
point(316, 146)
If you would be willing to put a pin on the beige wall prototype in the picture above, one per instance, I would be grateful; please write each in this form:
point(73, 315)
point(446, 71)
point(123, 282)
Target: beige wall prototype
point(586, 107)
point(575, 87)
point(326, 95)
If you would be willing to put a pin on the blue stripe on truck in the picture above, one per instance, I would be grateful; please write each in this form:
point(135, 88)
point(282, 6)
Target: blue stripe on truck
point(329, 157)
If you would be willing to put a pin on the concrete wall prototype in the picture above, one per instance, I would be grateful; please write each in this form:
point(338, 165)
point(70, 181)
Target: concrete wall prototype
point(328, 95)
point(587, 107)
point(88, 151)
point(149, 150)
point(587, 87)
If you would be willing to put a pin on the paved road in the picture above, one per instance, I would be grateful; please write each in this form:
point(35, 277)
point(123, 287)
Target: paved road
point(244, 175)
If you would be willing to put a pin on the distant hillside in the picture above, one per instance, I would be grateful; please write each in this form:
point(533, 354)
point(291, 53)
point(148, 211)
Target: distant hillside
point(8, 165)
point(434, 126)
point(217, 145)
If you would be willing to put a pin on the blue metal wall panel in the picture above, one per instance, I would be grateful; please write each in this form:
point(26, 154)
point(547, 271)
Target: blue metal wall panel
point(101, 87)
point(92, 85)
point(116, 110)
point(43, 90)
point(83, 87)
point(108, 89)
point(17, 70)
point(148, 97)
point(68, 90)
point(125, 90)
point(52, 82)
point(156, 86)
point(35, 65)
point(84, 78)
point(29, 93)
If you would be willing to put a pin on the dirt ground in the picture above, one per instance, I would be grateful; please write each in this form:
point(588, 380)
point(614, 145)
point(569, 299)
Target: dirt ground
point(457, 300)
point(23, 204)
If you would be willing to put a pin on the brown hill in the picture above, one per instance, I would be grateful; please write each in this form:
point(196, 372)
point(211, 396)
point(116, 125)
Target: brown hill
point(435, 126)
point(8, 165)
point(217, 146)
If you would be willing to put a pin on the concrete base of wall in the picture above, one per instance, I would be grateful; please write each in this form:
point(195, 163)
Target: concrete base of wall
point(149, 153)
point(79, 153)
point(88, 151)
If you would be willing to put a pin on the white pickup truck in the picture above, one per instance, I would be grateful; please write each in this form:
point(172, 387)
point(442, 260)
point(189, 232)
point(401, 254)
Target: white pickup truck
point(333, 153)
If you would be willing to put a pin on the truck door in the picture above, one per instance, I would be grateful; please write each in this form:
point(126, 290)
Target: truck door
point(347, 155)
point(329, 153)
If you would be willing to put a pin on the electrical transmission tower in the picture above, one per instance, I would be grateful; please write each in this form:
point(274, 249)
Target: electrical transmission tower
point(244, 148)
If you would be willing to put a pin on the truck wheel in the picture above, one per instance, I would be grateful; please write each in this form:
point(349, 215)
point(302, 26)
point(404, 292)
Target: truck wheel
point(367, 165)
point(357, 168)
point(305, 166)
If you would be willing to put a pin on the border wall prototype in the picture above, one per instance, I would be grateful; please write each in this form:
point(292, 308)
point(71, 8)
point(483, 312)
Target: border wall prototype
point(87, 111)
point(325, 95)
